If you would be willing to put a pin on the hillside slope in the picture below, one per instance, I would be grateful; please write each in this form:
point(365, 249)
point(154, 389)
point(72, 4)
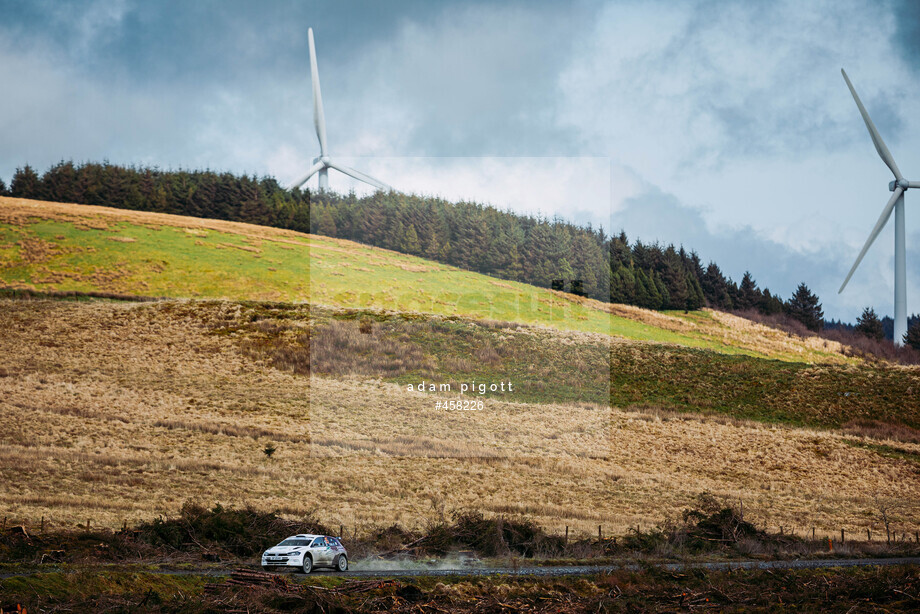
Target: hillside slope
point(64, 247)
point(121, 410)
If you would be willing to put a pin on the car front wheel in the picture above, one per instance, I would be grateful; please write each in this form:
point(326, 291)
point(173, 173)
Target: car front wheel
point(307, 563)
point(342, 563)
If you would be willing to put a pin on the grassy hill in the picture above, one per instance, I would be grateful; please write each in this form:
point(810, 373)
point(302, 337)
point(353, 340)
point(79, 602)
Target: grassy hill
point(620, 416)
point(63, 247)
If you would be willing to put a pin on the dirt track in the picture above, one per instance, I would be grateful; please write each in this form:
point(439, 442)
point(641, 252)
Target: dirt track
point(546, 571)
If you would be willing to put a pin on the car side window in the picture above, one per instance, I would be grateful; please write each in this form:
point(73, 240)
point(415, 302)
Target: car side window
point(318, 542)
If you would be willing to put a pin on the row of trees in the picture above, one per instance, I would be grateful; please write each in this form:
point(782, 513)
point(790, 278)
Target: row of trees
point(204, 194)
point(870, 325)
point(535, 250)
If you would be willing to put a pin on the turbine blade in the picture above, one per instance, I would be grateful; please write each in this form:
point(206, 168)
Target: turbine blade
point(880, 146)
point(882, 220)
point(319, 118)
point(359, 175)
point(313, 170)
point(913, 184)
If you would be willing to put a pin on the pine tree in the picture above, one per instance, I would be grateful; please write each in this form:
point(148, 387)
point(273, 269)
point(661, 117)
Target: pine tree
point(513, 269)
point(563, 270)
point(674, 291)
point(3, 190)
point(695, 300)
point(25, 183)
point(715, 288)
point(445, 252)
point(912, 336)
point(396, 233)
point(410, 244)
point(641, 292)
point(59, 183)
point(770, 304)
point(587, 264)
point(433, 248)
point(623, 286)
point(620, 254)
point(499, 252)
point(323, 223)
point(471, 241)
point(748, 293)
point(806, 308)
point(659, 292)
point(537, 247)
point(870, 325)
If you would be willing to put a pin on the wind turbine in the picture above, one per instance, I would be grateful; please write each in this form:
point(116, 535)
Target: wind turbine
point(323, 163)
point(896, 203)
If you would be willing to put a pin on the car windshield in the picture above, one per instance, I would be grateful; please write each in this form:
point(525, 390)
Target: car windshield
point(295, 542)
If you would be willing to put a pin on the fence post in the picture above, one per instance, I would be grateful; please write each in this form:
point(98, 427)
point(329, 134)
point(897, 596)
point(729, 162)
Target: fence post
point(566, 542)
point(868, 535)
point(43, 524)
point(841, 536)
point(599, 533)
point(812, 533)
point(341, 531)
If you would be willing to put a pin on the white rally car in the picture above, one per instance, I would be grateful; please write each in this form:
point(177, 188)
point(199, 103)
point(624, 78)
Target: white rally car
point(306, 552)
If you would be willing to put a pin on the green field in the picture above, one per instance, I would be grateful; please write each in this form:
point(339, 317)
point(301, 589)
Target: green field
point(53, 247)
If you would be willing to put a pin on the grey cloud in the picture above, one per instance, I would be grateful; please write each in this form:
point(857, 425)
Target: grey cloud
point(907, 31)
point(226, 83)
point(654, 216)
point(474, 81)
point(712, 81)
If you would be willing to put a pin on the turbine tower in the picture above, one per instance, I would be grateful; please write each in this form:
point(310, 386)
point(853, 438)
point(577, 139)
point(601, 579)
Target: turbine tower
point(322, 163)
point(896, 203)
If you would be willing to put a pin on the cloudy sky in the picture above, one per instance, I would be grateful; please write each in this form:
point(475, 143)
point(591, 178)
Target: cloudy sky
point(723, 126)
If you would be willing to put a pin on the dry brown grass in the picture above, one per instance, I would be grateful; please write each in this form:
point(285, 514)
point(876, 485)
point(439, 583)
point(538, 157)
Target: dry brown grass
point(769, 340)
point(882, 431)
point(232, 430)
point(285, 345)
point(734, 331)
point(116, 411)
point(342, 348)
